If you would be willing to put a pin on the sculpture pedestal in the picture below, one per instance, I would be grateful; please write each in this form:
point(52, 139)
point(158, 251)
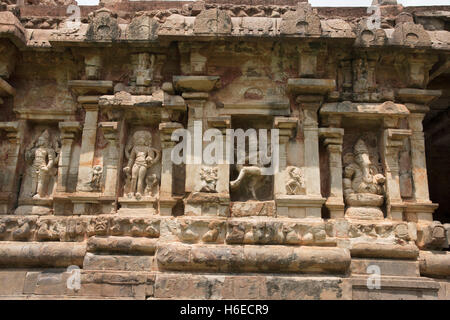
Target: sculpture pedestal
point(144, 206)
point(300, 206)
point(364, 206)
point(364, 213)
point(39, 207)
point(209, 204)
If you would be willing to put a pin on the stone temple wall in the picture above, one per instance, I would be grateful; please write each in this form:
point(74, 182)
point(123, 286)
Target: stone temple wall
point(89, 187)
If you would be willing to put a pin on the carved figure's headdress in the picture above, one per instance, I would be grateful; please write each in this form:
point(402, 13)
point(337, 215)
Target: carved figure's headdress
point(360, 147)
point(45, 135)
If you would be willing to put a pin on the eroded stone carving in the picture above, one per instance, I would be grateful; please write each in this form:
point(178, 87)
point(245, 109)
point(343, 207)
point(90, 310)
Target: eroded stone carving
point(43, 157)
point(363, 185)
point(296, 182)
point(103, 26)
point(209, 179)
point(143, 64)
point(141, 156)
point(411, 35)
point(212, 21)
point(143, 27)
point(303, 22)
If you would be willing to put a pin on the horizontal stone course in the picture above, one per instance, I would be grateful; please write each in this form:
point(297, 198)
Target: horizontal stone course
point(47, 254)
point(280, 259)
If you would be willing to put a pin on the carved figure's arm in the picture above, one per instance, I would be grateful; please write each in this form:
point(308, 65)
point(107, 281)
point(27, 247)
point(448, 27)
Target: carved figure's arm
point(51, 158)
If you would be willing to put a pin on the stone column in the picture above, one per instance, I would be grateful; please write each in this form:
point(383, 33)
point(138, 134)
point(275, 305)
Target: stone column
point(69, 130)
point(417, 101)
point(418, 160)
point(392, 143)
point(310, 105)
point(195, 113)
point(223, 182)
point(8, 193)
point(88, 139)
point(333, 139)
point(110, 164)
point(287, 127)
point(166, 199)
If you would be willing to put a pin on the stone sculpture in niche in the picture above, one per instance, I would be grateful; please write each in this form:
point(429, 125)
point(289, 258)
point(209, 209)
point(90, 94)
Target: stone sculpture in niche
point(143, 64)
point(96, 177)
point(363, 185)
point(43, 158)
point(296, 182)
point(141, 156)
point(209, 179)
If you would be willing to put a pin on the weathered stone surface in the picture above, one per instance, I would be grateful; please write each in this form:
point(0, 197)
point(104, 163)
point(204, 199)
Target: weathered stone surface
point(169, 286)
point(117, 262)
point(100, 116)
point(376, 250)
point(252, 259)
point(123, 245)
point(395, 288)
point(434, 264)
point(49, 254)
point(212, 22)
point(387, 267)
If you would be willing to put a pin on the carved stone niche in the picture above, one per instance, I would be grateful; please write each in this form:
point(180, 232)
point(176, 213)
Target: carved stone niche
point(247, 180)
point(364, 78)
point(39, 182)
point(146, 76)
point(411, 35)
point(212, 21)
point(302, 22)
point(363, 182)
point(141, 171)
point(370, 160)
point(143, 27)
point(103, 26)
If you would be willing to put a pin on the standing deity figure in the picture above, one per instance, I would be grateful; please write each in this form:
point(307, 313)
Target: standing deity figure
point(363, 185)
point(140, 159)
point(43, 157)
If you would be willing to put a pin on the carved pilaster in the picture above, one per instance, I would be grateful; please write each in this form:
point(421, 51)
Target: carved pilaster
point(8, 195)
point(310, 105)
point(110, 131)
point(287, 128)
point(166, 199)
point(69, 131)
point(222, 123)
point(333, 139)
point(392, 143)
point(87, 141)
point(417, 101)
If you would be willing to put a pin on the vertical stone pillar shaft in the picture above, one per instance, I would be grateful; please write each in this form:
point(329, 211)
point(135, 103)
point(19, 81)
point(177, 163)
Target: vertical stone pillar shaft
point(392, 142)
point(310, 106)
point(195, 113)
point(333, 139)
point(418, 160)
point(110, 165)
point(9, 186)
point(69, 131)
point(286, 127)
point(87, 143)
point(223, 182)
point(166, 200)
